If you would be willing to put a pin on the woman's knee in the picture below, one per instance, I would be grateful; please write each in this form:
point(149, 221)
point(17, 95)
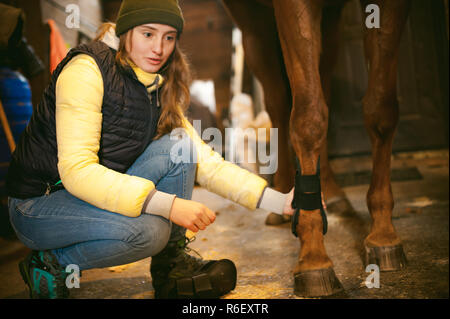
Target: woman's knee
point(152, 234)
point(166, 156)
point(181, 148)
point(179, 177)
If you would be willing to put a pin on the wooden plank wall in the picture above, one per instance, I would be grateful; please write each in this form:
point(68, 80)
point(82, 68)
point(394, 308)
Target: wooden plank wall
point(422, 85)
point(207, 42)
point(90, 18)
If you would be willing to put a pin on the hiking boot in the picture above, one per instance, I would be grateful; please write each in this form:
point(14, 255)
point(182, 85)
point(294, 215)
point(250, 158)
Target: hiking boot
point(176, 274)
point(44, 276)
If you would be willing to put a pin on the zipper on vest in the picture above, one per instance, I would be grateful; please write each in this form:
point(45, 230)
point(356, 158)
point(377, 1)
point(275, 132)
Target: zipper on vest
point(157, 90)
point(49, 188)
point(156, 81)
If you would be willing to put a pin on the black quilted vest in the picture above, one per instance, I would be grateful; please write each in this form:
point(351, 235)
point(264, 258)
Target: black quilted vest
point(129, 124)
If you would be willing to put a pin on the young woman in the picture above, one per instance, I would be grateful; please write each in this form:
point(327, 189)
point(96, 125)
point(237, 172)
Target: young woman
point(93, 181)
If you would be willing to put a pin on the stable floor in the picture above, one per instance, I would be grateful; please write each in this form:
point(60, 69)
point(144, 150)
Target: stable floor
point(265, 255)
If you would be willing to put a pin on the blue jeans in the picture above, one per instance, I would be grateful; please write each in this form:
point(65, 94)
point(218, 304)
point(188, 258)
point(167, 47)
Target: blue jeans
point(82, 234)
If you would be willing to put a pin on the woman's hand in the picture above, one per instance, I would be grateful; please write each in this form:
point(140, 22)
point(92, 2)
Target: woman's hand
point(288, 210)
point(191, 215)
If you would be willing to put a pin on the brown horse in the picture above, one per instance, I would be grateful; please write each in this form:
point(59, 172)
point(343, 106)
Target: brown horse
point(290, 45)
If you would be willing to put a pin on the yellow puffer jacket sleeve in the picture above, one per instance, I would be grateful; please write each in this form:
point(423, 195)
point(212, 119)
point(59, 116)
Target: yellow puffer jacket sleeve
point(223, 177)
point(79, 95)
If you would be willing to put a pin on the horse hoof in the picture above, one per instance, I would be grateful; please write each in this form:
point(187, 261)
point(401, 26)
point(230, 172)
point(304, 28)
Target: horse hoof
point(388, 258)
point(275, 219)
point(340, 206)
point(317, 283)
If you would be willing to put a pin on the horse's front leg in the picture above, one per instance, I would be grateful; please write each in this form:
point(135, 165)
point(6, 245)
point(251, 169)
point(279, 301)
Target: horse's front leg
point(298, 23)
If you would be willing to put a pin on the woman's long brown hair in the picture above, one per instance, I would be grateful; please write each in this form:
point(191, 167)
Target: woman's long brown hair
point(175, 94)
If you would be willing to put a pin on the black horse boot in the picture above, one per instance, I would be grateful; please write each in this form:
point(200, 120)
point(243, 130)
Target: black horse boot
point(176, 274)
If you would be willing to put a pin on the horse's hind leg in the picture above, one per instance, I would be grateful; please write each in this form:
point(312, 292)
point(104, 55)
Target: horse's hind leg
point(335, 197)
point(264, 57)
point(381, 116)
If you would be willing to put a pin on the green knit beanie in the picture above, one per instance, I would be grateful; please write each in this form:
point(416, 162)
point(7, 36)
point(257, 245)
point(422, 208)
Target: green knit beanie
point(137, 12)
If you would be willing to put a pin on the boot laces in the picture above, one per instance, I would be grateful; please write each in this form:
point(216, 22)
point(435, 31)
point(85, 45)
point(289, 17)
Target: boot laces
point(184, 245)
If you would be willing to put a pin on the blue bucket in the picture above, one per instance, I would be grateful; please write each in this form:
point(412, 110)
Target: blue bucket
point(15, 94)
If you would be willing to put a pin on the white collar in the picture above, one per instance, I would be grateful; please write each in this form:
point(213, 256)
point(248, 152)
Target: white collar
point(110, 38)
